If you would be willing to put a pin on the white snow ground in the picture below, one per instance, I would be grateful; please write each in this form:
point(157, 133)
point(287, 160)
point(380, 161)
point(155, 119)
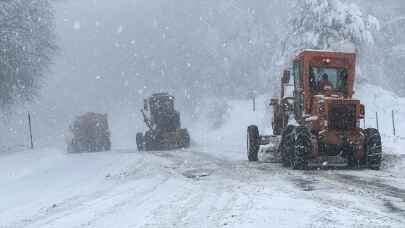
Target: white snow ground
point(49, 188)
point(209, 185)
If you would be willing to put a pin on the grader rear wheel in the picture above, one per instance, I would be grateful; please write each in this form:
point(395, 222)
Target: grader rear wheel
point(286, 145)
point(184, 141)
point(302, 148)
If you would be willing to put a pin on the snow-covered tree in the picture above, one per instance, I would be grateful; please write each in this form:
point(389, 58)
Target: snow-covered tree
point(26, 47)
point(329, 24)
point(392, 42)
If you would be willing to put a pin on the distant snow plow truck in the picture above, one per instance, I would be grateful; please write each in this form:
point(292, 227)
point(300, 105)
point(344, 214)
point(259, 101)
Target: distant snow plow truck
point(89, 133)
point(326, 129)
point(164, 127)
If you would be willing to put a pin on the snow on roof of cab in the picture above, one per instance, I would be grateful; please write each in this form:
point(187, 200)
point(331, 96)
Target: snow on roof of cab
point(160, 94)
point(330, 51)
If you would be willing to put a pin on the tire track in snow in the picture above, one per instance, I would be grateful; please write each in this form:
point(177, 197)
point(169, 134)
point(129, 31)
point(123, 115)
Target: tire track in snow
point(74, 205)
point(391, 197)
point(323, 184)
point(225, 204)
point(318, 187)
point(115, 202)
point(175, 212)
point(212, 190)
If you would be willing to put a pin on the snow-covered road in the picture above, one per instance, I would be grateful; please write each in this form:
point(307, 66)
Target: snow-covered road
point(198, 187)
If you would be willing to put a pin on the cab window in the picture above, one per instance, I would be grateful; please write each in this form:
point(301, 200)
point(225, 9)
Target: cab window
point(336, 78)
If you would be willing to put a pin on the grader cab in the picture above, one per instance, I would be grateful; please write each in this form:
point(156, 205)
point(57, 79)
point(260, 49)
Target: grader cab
point(318, 124)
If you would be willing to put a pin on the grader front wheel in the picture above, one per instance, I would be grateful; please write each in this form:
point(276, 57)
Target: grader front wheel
point(373, 148)
point(253, 143)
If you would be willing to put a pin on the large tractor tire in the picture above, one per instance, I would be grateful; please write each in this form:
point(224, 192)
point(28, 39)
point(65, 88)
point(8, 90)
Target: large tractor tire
point(277, 121)
point(302, 148)
point(182, 139)
point(140, 142)
point(176, 120)
point(185, 139)
point(253, 143)
point(150, 142)
point(287, 145)
point(373, 148)
point(295, 147)
point(276, 125)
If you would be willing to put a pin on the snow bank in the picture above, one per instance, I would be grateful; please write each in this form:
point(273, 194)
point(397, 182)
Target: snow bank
point(231, 135)
point(383, 102)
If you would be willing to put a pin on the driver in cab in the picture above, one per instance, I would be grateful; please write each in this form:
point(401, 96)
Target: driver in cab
point(324, 83)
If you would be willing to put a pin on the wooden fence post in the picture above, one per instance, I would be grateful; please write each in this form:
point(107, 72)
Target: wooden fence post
point(30, 131)
point(252, 95)
point(393, 122)
point(254, 103)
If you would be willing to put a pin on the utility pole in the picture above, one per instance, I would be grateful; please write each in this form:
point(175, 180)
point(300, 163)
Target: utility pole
point(252, 95)
point(376, 119)
point(254, 103)
point(393, 122)
point(30, 131)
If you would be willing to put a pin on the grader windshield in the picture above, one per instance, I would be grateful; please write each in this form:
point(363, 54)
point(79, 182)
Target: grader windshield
point(336, 78)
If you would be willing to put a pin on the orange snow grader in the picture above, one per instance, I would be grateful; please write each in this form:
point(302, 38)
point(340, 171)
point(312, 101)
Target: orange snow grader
point(316, 120)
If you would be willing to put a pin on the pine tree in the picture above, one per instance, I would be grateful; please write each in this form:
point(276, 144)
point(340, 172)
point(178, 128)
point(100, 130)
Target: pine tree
point(329, 24)
point(27, 45)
